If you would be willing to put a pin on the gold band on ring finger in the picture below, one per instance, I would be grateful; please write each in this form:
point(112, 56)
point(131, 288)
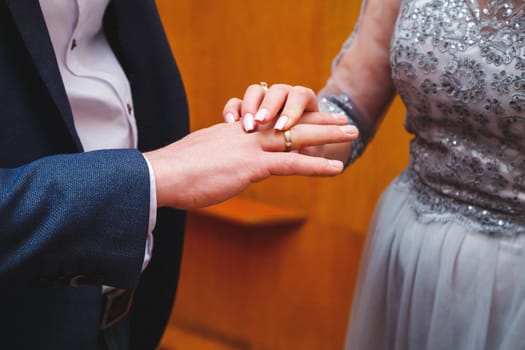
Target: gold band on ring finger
point(287, 140)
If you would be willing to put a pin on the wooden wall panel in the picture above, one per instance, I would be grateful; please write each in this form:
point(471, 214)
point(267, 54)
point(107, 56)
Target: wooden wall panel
point(291, 287)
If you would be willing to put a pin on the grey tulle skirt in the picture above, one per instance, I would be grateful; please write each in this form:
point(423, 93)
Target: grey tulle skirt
point(436, 284)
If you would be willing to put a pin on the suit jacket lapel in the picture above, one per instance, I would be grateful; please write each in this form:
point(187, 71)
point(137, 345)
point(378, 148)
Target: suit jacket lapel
point(31, 25)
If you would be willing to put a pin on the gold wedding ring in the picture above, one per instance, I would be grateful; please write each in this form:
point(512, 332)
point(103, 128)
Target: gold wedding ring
point(287, 140)
point(264, 85)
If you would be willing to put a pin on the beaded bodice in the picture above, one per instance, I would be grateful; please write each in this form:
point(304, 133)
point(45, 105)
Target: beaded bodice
point(461, 73)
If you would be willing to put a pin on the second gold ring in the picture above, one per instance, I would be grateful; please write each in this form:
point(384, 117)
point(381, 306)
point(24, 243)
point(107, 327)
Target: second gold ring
point(264, 85)
point(287, 140)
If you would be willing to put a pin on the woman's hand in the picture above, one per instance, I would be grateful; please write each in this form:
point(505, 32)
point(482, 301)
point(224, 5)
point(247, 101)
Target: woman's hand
point(283, 106)
point(260, 105)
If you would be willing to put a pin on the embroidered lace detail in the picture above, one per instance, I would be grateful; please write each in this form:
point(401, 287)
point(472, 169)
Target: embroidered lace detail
point(461, 73)
point(432, 205)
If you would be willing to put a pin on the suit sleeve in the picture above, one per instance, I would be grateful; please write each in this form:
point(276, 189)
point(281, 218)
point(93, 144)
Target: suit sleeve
point(75, 219)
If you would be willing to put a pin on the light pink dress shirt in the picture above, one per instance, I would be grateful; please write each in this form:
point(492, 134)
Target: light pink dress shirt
point(96, 85)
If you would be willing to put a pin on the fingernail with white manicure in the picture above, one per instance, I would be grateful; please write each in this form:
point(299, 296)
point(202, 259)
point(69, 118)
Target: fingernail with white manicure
point(335, 164)
point(261, 114)
point(247, 122)
point(281, 123)
point(230, 118)
point(349, 129)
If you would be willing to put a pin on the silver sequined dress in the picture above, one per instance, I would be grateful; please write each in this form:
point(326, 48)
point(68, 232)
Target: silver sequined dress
point(444, 265)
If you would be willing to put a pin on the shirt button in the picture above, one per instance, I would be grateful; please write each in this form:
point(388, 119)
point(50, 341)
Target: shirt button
point(129, 107)
point(73, 44)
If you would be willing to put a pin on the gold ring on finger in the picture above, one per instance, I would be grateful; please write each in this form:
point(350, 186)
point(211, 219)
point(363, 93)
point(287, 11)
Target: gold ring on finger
point(287, 140)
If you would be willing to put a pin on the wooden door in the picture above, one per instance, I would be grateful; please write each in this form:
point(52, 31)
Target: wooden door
point(285, 284)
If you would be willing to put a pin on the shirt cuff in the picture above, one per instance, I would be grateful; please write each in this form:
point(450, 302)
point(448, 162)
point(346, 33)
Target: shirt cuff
point(152, 215)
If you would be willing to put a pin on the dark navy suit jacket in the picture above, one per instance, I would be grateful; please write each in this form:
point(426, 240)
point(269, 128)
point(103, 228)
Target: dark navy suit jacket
point(66, 215)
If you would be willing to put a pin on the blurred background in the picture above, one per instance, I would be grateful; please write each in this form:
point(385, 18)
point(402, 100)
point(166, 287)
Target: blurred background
point(274, 268)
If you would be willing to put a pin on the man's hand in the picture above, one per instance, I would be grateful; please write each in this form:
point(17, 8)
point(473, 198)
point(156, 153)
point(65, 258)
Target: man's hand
point(213, 164)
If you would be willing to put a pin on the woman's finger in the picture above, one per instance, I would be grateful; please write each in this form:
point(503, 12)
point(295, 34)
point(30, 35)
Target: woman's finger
point(300, 99)
point(272, 103)
point(303, 135)
point(251, 101)
point(232, 110)
point(321, 118)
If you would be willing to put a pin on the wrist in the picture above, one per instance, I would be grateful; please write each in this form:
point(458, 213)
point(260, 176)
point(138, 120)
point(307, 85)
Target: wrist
point(343, 104)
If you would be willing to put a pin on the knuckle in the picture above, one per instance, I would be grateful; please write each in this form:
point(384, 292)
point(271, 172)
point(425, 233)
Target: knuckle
point(233, 101)
point(253, 88)
point(282, 88)
point(302, 91)
point(310, 91)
